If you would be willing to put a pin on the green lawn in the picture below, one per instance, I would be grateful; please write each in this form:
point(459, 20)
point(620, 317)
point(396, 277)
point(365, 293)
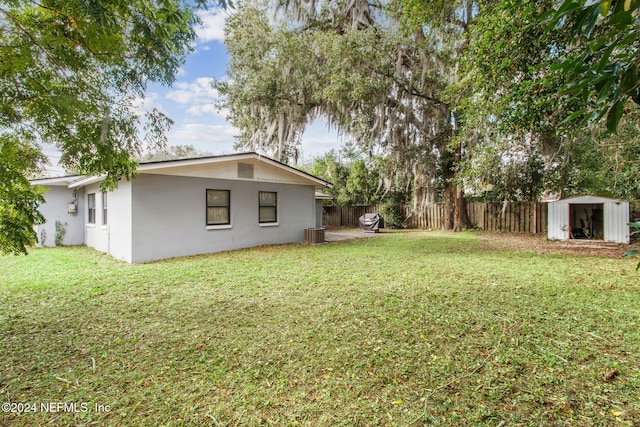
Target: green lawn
point(407, 328)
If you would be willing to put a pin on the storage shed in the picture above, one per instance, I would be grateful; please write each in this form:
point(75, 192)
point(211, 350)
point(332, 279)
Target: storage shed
point(589, 218)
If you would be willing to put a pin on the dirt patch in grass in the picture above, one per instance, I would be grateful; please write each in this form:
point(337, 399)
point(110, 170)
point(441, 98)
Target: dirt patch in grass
point(537, 243)
point(338, 234)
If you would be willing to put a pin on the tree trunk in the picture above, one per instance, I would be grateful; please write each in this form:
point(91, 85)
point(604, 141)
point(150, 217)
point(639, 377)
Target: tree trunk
point(449, 206)
point(461, 220)
point(455, 205)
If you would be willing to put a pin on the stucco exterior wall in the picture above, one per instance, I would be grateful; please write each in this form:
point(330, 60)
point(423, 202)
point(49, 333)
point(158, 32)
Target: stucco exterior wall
point(96, 234)
point(55, 208)
point(169, 216)
point(318, 213)
point(119, 202)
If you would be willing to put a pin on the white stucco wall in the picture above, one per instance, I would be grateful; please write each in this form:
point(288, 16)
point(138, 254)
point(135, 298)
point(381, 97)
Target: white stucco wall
point(169, 216)
point(119, 202)
point(97, 234)
point(55, 208)
point(114, 237)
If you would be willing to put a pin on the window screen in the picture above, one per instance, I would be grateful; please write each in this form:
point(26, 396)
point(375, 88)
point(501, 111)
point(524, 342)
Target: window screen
point(268, 206)
point(104, 208)
point(91, 208)
point(218, 207)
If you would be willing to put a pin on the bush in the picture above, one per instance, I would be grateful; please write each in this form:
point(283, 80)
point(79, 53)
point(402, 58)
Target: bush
point(392, 211)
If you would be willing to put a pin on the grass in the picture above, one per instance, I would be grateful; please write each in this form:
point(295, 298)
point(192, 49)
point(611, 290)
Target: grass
point(403, 329)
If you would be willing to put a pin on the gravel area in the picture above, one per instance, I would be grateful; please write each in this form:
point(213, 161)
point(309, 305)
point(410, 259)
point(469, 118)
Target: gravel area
point(335, 235)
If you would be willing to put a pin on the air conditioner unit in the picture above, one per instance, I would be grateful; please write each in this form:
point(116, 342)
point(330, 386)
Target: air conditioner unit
point(314, 236)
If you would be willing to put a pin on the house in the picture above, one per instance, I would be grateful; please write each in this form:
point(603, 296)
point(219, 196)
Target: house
point(183, 207)
point(589, 217)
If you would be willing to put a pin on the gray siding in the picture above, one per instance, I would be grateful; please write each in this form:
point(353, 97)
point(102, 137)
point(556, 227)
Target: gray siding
point(55, 208)
point(319, 213)
point(169, 216)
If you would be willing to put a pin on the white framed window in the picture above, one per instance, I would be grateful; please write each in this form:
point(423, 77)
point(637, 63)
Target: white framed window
point(91, 208)
point(268, 207)
point(218, 207)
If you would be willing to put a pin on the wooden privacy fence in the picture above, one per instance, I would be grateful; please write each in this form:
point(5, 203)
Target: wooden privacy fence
point(513, 217)
point(345, 216)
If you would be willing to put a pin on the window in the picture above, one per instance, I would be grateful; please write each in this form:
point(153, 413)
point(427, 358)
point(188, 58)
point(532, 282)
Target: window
point(91, 208)
point(104, 208)
point(268, 206)
point(218, 207)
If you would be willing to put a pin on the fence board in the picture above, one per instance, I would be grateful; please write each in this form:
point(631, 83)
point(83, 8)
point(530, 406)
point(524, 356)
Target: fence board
point(512, 217)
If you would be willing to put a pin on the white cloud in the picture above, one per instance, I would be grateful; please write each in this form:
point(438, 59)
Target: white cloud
point(198, 110)
point(198, 91)
point(204, 132)
point(151, 100)
point(212, 28)
point(318, 138)
point(198, 95)
point(217, 139)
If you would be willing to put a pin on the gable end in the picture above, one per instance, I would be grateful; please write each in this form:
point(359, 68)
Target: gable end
point(245, 170)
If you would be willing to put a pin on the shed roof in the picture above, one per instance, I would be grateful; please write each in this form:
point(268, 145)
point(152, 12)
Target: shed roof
point(587, 200)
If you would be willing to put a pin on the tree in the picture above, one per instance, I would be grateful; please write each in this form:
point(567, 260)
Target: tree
point(174, 152)
point(529, 70)
point(504, 170)
point(18, 198)
point(356, 180)
point(354, 64)
point(608, 163)
point(70, 73)
point(513, 101)
point(603, 67)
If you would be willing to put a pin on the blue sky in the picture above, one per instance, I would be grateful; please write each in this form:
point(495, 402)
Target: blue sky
point(189, 102)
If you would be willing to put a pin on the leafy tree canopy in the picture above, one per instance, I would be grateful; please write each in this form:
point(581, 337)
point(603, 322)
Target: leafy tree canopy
point(603, 67)
point(530, 68)
point(356, 180)
point(355, 64)
point(71, 73)
point(174, 152)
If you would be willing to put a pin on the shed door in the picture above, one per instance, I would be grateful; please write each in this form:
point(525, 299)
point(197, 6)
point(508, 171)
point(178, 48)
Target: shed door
point(616, 220)
point(558, 221)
